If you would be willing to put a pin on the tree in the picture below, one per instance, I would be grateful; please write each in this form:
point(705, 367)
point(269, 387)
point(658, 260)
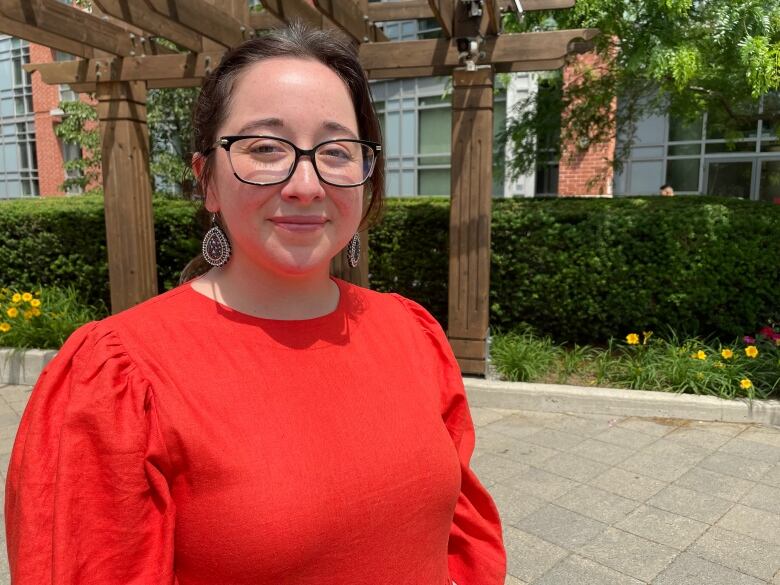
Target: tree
point(685, 57)
point(169, 115)
point(79, 126)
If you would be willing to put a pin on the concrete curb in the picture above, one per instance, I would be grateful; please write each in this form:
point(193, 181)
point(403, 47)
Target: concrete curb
point(23, 366)
point(588, 400)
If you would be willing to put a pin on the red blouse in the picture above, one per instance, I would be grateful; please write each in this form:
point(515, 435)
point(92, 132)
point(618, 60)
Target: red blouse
point(182, 442)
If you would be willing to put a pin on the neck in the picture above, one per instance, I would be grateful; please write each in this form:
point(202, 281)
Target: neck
point(264, 293)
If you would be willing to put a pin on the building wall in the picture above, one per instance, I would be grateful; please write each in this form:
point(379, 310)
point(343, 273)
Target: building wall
point(586, 173)
point(46, 99)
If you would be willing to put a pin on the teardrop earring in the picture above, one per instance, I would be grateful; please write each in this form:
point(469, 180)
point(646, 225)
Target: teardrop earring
point(353, 251)
point(216, 247)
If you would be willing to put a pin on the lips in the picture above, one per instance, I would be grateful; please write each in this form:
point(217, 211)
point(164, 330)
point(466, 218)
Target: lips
point(299, 223)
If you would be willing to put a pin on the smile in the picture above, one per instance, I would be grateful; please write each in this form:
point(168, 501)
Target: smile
point(296, 223)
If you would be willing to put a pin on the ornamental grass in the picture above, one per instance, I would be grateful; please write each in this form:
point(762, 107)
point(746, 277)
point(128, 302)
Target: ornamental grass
point(747, 368)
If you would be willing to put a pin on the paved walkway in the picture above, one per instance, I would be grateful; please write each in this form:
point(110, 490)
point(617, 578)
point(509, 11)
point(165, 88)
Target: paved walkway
point(599, 500)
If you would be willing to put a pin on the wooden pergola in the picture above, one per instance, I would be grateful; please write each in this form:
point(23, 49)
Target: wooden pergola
point(120, 58)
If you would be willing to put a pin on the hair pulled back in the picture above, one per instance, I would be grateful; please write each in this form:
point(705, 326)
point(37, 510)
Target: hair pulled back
point(296, 40)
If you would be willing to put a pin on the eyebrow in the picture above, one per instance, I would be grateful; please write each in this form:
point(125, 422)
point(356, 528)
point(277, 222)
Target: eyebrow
point(279, 123)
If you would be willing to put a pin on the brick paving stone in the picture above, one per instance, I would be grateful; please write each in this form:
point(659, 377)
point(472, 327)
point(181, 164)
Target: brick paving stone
point(541, 484)
point(554, 439)
point(629, 554)
point(597, 504)
point(662, 527)
point(685, 453)
point(772, 477)
point(572, 467)
point(692, 504)
point(493, 468)
point(582, 425)
point(512, 580)
point(741, 467)
point(752, 450)
point(734, 550)
point(529, 557)
point(513, 429)
point(758, 524)
point(761, 434)
point(647, 426)
point(481, 416)
point(601, 451)
point(715, 484)
point(698, 438)
point(628, 484)
point(575, 570)
point(663, 468)
point(763, 497)
point(626, 438)
point(561, 527)
point(513, 505)
point(688, 569)
point(526, 453)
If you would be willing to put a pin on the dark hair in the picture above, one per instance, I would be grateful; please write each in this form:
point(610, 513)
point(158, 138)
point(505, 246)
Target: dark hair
point(296, 40)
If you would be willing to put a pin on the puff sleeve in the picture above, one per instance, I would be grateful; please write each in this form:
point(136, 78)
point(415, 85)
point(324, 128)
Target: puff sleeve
point(86, 499)
point(476, 553)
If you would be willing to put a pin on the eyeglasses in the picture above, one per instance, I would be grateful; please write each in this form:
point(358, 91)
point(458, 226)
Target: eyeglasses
point(268, 160)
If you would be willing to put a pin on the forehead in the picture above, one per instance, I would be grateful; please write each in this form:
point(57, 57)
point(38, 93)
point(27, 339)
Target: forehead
point(293, 89)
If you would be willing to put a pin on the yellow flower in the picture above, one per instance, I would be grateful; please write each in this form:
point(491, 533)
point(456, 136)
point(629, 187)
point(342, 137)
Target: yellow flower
point(745, 384)
point(751, 351)
point(646, 335)
point(5, 327)
point(35, 302)
point(699, 355)
point(12, 312)
point(28, 315)
point(16, 298)
point(632, 339)
point(36, 312)
point(727, 354)
point(27, 297)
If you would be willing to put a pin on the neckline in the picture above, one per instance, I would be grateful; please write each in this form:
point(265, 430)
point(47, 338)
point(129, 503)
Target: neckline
point(237, 315)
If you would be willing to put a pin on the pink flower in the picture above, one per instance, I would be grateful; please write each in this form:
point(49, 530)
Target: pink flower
point(748, 340)
point(767, 332)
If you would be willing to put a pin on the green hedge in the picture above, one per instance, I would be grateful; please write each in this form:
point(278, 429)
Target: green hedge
point(577, 269)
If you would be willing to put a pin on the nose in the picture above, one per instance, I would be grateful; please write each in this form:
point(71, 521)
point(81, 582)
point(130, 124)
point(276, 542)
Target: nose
point(304, 185)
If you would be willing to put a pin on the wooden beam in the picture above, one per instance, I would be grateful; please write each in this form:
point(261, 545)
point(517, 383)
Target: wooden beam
point(202, 18)
point(492, 17)
point(127, 188)
point(443, 11)
point(60, 19)
point(531, 5)
point(176, 66)
point(297, 9)
point(263, 20)
point(351, 19)
point(504, 49)
point(417, 9)
point(470, 205)
point(405, 10)
point(42, 37)
point(136, 12)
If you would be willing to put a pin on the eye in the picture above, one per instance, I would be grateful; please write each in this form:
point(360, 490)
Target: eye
point(337, 152)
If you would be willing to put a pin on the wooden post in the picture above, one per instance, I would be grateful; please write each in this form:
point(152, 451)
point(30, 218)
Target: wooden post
point(127, 187)
point(471, 199)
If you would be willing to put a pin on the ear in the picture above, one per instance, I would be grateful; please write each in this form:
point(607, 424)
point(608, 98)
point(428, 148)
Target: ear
point(210, 201)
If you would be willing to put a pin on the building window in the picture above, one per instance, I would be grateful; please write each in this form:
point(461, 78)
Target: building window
point(18, 162)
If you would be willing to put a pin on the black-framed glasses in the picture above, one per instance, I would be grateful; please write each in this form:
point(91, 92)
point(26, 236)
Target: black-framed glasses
point(270, 160)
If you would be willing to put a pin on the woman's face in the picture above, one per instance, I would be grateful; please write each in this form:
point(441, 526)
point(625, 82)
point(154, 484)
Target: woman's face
point(294, 227)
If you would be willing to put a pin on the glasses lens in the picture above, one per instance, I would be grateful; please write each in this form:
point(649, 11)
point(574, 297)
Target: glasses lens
point(262, 160)
point(344, 162)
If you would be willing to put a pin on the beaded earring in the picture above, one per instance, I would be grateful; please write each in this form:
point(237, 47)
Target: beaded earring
point(353, 251)
point(216, 247)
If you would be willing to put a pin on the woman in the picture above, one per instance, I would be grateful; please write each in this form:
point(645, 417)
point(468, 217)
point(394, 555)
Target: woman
point(265, 423)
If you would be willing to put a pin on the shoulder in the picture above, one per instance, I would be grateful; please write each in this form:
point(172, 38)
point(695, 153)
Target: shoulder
point(390, 304)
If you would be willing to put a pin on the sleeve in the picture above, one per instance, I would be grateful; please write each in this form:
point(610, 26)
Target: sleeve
point(87, 500)
point(476, 554)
